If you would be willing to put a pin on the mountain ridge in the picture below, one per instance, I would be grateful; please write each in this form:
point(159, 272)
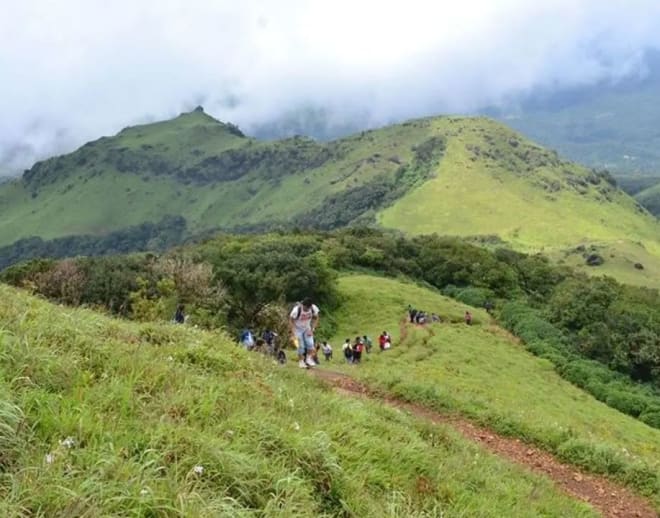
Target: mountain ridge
point(489, 179)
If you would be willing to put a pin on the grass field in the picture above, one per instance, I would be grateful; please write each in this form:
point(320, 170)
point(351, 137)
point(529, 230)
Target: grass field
point(100, 417)
point(489, 181)
point(620, 258)
point(95, 197)
point(481, 372)
point(483, 196)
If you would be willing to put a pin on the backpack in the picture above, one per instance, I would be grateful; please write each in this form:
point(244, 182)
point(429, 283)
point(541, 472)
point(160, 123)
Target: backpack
point(299, 308)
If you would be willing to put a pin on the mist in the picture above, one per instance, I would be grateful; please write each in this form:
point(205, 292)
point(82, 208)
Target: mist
point(75, 70)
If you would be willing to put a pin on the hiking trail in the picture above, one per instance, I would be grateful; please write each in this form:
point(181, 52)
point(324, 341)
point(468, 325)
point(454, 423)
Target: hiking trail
point(607, 497)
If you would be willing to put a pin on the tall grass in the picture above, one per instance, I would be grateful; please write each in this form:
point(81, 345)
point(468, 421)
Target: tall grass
point(479, 371)
point(106, 418)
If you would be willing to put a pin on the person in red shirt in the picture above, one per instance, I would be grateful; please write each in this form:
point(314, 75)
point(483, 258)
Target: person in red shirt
point(358, 347)
point(384, 341)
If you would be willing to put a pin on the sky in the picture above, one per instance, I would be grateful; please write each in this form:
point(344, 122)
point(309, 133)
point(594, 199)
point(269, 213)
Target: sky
point(74, 70)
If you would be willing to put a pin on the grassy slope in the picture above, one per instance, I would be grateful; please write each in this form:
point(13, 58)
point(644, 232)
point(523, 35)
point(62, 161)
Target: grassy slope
point(144, 404)
point(485, 196)
point(620, 259)
point(490, 181)
point(481, 372)
point(103, 199)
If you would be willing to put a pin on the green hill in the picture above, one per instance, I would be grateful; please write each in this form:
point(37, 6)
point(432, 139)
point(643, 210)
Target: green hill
point(107, 418)
point(450, 175)
point(208, 172)
point(481, 371)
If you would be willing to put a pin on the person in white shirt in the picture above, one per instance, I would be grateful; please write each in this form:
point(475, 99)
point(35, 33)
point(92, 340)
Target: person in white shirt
point(327, 351)
point(303, 321)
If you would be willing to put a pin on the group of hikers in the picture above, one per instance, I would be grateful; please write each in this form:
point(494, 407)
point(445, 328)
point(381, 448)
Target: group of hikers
point(303, 321)
point(418, 316)
point(353, 350)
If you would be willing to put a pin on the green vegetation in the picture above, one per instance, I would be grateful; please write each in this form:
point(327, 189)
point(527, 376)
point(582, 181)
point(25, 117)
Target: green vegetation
point(237, 281)
point(492, 182)
point(545, 340)
point(209, 173)
point(481, 372)
point(167, 233)
point(108, 418)
point(451, 175)
point(627, 261)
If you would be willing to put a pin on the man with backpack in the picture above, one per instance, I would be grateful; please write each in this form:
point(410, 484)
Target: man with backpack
point(303, 320)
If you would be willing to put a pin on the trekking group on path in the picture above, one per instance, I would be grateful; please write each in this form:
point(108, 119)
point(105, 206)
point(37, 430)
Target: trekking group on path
point(417, 316)
point(303, 321)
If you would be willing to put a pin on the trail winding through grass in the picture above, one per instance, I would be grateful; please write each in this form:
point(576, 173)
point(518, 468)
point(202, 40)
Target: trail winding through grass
point(607, 497)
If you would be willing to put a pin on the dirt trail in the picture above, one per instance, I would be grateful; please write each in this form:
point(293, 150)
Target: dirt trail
point(607, 497)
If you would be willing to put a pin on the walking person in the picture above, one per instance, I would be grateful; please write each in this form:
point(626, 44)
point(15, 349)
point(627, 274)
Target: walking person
point(327, 351)
point(303, 321)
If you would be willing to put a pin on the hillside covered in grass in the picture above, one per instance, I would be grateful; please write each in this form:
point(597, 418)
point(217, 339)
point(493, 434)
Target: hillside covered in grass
point(212, 175)
point(600, 335)
point(450, 175)
point(481, 371)
point(107, 418)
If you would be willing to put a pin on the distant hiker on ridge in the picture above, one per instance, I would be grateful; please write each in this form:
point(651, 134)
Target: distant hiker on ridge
point(303, 320)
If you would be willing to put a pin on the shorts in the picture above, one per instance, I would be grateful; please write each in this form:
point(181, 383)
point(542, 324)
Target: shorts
point(305, 342)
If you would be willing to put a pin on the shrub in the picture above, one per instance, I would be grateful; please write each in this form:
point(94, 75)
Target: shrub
point(476, 297)
point(651, 417)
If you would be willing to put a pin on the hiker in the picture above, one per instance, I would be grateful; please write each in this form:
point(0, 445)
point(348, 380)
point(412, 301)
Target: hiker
point(347, 348)
point(358, 347)
point(247, 339)
point(384, 341)
point(327, 351)
point(179, 315)
point(268, 336)
point(303, 320)
point(367, 343)
point(488, 306)
point(413, 315)
point(468, 318)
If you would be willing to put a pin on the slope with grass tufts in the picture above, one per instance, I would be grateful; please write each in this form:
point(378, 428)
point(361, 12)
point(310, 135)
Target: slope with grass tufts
point(451, 175)
point(481, 372)
point(106, 418)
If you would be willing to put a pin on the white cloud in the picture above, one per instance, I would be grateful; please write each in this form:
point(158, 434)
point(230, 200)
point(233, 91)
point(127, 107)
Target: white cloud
point(73, 70)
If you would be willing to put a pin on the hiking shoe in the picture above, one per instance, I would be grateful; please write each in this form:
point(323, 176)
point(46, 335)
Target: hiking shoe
point(311, 362)
point(302, 364)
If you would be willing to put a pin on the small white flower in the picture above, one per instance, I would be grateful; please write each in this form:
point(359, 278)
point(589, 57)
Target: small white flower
point(198, 470)
point(170, 359)
point(144, 492)
point(50, 458)
point(296, 427)
point(291, 403)
point(68, 442)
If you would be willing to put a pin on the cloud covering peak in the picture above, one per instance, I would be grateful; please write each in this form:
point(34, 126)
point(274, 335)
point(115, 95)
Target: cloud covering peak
point(77, 69)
